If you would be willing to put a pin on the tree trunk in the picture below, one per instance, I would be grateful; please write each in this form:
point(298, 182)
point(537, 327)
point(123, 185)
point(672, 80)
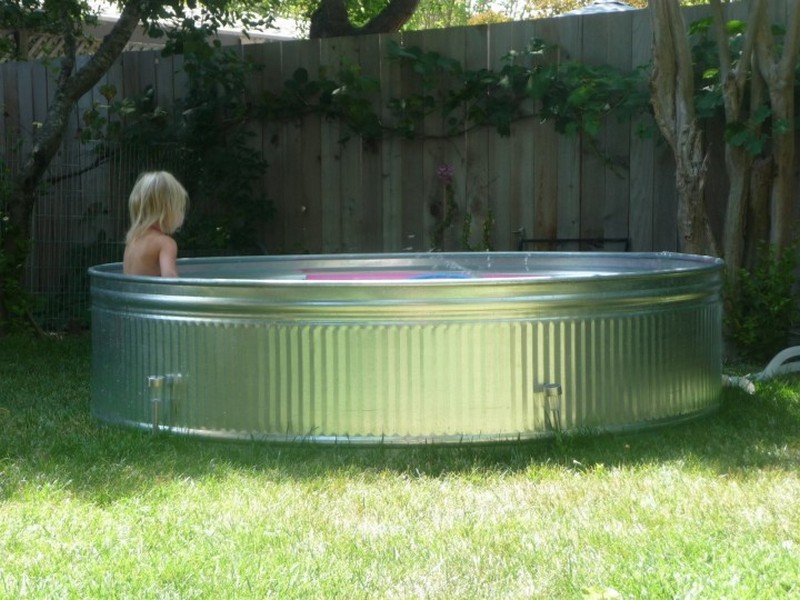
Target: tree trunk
point(781, 206)
point(71, 85)
point(738, 160)
point(738, 164)
point(779, 76)
point(672, 89)
point(331, 20)
point(757, 232)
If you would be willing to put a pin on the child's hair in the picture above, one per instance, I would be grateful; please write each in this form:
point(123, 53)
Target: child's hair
point(157, 198)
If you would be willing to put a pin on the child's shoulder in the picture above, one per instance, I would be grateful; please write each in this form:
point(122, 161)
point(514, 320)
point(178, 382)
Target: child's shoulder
point(159, 237)
point(155, 237)
point(145, 253)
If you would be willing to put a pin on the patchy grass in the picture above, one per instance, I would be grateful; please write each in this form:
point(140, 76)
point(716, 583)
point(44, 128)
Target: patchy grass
point(707, 509)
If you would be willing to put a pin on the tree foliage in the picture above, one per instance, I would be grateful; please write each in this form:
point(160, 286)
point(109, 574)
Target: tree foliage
point(434, 14)
point(428, 14)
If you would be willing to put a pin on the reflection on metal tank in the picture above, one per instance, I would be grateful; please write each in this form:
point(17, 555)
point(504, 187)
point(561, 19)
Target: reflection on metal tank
point(408, 348)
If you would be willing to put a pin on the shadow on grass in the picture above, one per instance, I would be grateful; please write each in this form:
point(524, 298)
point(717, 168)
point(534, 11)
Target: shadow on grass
point(47, 436)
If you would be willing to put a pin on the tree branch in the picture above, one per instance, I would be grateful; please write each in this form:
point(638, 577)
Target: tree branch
point(70, 89)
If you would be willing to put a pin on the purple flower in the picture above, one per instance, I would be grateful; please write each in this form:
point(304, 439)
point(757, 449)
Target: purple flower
point(445, 173)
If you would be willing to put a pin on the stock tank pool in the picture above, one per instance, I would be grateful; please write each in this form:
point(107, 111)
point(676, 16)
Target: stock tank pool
point(408, 348)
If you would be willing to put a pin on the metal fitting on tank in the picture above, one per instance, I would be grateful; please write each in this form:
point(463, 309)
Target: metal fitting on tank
point(156, 385)
point(553, 393)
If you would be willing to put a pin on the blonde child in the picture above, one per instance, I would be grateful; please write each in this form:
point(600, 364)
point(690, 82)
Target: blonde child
point(157, 206)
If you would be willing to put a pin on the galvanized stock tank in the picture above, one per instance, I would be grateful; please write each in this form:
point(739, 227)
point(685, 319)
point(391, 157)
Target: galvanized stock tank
point(408, 348)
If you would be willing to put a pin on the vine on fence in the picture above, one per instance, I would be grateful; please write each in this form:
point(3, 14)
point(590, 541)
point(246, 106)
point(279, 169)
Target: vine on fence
point(574, 96)
point(217, 109)
point(228, 213)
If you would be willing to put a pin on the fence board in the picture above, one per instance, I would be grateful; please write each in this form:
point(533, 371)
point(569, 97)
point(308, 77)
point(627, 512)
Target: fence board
point(441, 150)
point(305, 183)
point(5, 88)
point(129, 64)
point(594, 174)
point(545, 171)
point(545, 182)
point(391, 155)
point(517, 151)
point(165, 81)
point(502, 37)
point(476, 160)
point(10, 94)
point(545, 191)
point(342, 194)
point(640, 211)
point(40, 93)
point(615, 135)
point(270, 138)
point(84, 104)
point(279, 170)
point(568, 39)
point(148, 61)
point(118, 185)
point(330, 155)
point(416, 218)
point(25, 105)
point(370, 52)
point(180, 86)
point(45, 226)
point(259, 137)
point(665, 201)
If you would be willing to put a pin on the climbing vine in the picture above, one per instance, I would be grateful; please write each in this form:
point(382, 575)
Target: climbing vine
point(186, 138)
point(575, 97)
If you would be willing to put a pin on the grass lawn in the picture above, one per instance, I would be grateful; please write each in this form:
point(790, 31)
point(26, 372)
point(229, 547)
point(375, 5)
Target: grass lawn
point(707, 509)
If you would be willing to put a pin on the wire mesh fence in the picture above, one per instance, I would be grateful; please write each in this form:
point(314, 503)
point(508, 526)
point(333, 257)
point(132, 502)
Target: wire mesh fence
point(79, 220)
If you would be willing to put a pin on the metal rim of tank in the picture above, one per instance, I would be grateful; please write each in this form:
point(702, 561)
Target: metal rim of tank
point(646, 280)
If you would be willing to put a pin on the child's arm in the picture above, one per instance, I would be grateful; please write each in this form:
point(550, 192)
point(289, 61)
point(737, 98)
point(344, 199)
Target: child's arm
point(167, 256)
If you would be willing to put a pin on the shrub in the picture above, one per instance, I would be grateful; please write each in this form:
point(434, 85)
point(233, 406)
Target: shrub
point(761, 304)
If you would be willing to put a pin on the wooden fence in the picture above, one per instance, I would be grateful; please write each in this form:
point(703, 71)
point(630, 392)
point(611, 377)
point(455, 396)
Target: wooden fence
point(348, 197)
point(340, 198)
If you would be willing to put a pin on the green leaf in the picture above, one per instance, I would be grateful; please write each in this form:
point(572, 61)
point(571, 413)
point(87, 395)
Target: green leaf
point(701, 25)
point(735, 26)
point(782, 127)
point(761, 114)
point(591, 125)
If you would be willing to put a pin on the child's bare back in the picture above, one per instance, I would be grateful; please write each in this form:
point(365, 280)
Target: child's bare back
point(157, 206)
point(152, 253)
